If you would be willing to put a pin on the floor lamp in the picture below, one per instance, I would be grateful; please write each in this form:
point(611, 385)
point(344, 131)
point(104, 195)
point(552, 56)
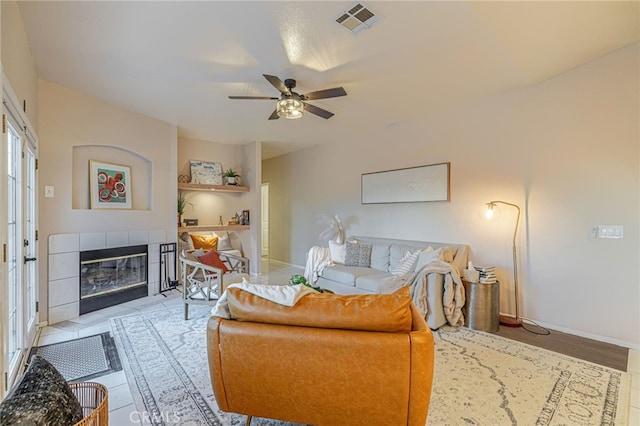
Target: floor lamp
point(504, 320)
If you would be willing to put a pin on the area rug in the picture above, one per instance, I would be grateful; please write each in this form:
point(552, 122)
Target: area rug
point(82, 359)
point(480, 378)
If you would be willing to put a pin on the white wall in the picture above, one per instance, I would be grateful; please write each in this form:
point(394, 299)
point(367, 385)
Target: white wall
point(74, 125)
point(566, 151)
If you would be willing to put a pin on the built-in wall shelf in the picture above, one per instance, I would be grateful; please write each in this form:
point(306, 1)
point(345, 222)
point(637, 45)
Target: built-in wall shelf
point(200, 228)
point(212, 188)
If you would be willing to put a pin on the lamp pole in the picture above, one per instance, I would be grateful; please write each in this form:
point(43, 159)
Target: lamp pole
point(508, 321)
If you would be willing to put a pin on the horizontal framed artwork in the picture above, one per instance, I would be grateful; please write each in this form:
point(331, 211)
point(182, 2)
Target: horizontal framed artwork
point(110, 185)
point(206, 173)
point(409, 185)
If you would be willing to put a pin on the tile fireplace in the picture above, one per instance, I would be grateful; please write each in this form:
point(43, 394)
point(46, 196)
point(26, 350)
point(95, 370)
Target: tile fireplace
point(112, 276)
point(67, 258)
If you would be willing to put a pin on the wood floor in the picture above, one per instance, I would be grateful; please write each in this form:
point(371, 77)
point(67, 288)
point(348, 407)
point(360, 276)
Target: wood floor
point(606, 354)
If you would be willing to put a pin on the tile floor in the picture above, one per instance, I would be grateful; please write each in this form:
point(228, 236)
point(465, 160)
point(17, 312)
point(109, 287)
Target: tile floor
point(121, 408)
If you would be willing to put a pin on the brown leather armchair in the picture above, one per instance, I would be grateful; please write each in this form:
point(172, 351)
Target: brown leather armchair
point(329, 360)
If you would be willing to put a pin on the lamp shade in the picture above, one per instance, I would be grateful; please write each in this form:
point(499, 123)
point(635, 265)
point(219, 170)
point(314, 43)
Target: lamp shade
point(290, 108)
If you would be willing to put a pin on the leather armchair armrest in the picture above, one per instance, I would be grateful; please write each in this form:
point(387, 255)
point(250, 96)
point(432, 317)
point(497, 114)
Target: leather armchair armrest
point(422, 361)
point(215, 363)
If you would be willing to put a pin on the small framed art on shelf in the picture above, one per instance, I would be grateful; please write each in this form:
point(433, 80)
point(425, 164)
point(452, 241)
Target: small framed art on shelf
point(206, 173)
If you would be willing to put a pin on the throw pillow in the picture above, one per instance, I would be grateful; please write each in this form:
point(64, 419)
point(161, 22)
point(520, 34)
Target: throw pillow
point(186, 239)
point(42, 396)
point(338, 252)
point(206, 242)
point(428, 256)
point(406, 264)
point(447, 254)
point(224, 243)
point(357, 255)
point(380, 257)
point(212, 258)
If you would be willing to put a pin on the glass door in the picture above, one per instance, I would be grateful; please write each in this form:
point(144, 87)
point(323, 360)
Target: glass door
point(13, 335)
point(30, 248)
point(20, 288)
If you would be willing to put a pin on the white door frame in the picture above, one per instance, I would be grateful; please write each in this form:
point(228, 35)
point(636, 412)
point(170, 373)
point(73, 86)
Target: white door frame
point(25, 217)
point(264, 220)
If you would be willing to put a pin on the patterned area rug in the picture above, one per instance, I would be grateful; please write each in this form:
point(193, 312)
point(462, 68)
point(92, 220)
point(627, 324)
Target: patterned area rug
point(480, 378)
point(82, 359)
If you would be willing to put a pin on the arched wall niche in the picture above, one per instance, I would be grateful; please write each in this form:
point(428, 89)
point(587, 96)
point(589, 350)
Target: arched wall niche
point(141, 174)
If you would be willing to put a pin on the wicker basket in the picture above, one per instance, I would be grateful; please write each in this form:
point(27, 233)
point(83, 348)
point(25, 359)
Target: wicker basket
point(93, 398)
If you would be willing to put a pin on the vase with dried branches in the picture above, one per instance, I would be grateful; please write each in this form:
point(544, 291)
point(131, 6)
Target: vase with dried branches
point(335, 228)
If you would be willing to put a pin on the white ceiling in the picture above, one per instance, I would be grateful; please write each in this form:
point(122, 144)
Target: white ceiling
point(178, 61)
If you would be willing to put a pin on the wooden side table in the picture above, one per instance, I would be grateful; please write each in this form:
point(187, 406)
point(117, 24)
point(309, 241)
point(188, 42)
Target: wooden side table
point(482, 306)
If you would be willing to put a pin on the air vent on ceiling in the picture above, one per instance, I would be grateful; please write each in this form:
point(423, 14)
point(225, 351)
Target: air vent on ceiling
point(357, 18)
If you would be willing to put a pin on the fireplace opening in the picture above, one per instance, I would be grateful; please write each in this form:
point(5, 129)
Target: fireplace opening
point(109, 277)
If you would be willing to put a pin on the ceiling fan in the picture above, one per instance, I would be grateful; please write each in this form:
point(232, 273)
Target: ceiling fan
point(291, 104)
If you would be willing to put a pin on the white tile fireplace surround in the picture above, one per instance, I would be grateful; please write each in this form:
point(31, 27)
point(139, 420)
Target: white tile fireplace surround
point(64, 261)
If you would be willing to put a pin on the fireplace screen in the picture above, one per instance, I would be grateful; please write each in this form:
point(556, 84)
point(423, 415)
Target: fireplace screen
point(112, 276)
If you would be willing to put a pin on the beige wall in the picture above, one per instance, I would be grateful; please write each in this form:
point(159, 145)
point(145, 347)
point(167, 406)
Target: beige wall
point(17, 62)
point(207, 207)
point(566, 151)
point(20, 70)
point(74, 125)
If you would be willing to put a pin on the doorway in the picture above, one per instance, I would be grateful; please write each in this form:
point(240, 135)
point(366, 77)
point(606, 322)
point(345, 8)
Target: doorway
point(19, 276)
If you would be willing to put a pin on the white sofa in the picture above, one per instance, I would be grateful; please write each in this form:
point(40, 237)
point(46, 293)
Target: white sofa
point(385, 255)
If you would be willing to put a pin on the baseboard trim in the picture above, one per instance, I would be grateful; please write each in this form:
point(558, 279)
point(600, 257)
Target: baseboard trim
point(592, 336)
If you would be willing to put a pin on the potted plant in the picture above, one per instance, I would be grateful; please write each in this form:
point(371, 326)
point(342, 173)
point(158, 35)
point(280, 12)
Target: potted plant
point(231, 177)
point(297, 279)
point(182, 204)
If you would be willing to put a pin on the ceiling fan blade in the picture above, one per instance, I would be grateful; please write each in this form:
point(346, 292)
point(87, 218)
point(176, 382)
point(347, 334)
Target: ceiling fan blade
point(323, 94)
point(254, 97)
point(317, 111)
point(274, 115)
point(277, 83)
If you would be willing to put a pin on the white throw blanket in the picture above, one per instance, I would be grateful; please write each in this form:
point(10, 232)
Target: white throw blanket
point(453, 297)
point(317, 259)
point(281, 294)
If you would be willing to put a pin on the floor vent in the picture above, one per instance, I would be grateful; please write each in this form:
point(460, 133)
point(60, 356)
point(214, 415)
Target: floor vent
point(357, 18)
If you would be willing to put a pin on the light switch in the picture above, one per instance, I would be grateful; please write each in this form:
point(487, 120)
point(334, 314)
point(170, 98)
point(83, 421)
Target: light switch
point(48, 191)
point(610, 231)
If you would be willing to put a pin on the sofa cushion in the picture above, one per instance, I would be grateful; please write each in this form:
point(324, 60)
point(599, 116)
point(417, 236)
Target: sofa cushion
point(372, 282)
point(358, 254)
point(371, 312)
point(205, 242)
point(407, 263)
point(212, 258)
point(427, 256)
point(380, 257)
point(41, 397)
point(346, 275)
point(337, 252)
point(224, 243)
point(397, 252)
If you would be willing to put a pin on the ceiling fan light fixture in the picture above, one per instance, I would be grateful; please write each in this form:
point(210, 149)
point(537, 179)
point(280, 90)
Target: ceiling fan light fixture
point(289, 107)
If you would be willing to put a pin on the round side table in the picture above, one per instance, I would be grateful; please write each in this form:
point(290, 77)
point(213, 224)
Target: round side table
point(482, 306)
